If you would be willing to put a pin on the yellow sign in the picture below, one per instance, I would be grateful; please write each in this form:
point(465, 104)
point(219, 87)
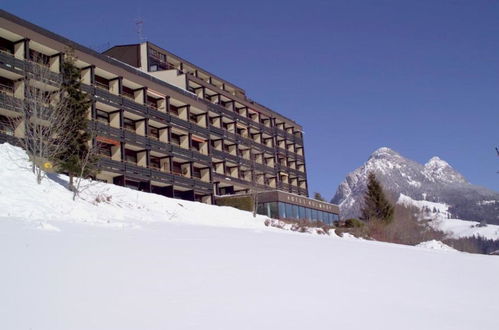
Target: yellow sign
point(47, 165)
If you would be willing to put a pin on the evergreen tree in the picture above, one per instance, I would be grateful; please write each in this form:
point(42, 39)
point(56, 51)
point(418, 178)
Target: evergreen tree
point(376, 206)
point(319, 197)
point(73, 159)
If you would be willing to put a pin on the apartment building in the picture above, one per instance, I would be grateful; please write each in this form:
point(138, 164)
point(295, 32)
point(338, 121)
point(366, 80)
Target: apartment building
point(163, 124)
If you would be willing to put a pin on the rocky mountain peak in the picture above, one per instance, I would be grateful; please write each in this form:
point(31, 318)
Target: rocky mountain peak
point(384, 152)
point(438, 169)
point(436, 162)
point(435, 181)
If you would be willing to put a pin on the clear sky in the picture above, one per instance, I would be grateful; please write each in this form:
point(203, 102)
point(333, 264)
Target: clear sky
point(420, 77)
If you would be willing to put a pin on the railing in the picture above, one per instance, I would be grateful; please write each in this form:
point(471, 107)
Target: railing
point(101, 85)
point(6, 89)
point(10, 103)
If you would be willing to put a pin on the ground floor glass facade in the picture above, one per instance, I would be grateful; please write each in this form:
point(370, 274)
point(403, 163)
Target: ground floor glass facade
point(281, 210)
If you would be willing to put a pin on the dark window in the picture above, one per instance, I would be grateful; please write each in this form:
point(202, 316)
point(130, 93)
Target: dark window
point(177, 168)
point(6, 126)
point(175, 139)
point(129, 124)
point(131, 156)
point(152, 102)
point(153, 52)
point(38, 57)
point(132, 184)
point(193, 117)
point(196, 172)
point(101, 82)
point(6, 85)
point(155, 162)
point(196, 145)
point(174, 110)
point(105, 149)
point(154, 132)
point(102, 116)
point(128, 92)
point(6, 45)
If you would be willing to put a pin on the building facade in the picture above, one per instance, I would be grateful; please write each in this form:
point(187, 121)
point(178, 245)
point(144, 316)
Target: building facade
point(163, 124)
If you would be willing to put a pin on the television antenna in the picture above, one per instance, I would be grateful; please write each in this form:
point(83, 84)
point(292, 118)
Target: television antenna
point(139, 26)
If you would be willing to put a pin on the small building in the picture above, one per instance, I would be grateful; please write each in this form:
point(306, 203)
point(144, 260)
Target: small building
point(283, 205)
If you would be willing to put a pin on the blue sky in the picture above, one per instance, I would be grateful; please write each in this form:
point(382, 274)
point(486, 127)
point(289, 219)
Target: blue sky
point(420, 77)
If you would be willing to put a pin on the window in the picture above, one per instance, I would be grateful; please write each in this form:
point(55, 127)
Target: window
point(227, 147)
point(131, 156)
point(175, 139)
point(128, 92)
point(289, 211)
point(155, 162)
point(193, 117)
point(105, 149)
point(6, 45)
point(6, 126)
point(101, 82)
point(174, 110)
point(314, 215)
point(176, 168)
point(102, 116)
point(154, 132)
point(152, 102)
point(38, 57)
point(6, 86)
point(196, 145)
point(153, 52)
point(308, 214)
point(282, 210)
point(129, 124)
point(301, 212)
point(196, 172)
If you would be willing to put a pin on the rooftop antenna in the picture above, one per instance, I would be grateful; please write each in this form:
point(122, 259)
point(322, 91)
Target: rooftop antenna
point(139, 24)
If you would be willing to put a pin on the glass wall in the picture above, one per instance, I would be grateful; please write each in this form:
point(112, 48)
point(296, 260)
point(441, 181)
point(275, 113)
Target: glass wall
point(280, 210)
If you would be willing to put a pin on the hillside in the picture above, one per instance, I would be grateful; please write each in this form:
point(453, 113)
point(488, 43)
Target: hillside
point(435, 182)
point(122, 259)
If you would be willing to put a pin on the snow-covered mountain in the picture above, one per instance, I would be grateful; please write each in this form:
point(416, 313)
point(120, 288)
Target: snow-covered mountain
point(435, 181)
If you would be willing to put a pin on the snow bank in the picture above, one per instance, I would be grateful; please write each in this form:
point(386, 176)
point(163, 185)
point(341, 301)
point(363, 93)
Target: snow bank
point(435, 245)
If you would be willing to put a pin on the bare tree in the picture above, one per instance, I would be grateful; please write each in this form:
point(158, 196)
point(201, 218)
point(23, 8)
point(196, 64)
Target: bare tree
point(41, 119)
point(87, 162)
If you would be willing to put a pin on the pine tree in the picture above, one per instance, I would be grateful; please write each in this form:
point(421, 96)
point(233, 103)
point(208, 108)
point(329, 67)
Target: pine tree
point(73, 159)
point(319, 197)
point(376, 206)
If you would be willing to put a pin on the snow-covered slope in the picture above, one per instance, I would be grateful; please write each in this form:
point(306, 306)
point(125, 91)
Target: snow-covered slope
point(435, 181)
point(139, 261)
point(101, 204)
point(438, 217)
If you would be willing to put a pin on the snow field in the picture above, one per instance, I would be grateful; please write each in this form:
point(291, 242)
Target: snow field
point(143, 261)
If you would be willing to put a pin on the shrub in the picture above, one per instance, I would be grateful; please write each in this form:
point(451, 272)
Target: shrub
point(354, 223)
point(244, 203)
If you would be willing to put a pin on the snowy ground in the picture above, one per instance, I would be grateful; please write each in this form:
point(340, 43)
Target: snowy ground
point(140, 261)
point(439, 216)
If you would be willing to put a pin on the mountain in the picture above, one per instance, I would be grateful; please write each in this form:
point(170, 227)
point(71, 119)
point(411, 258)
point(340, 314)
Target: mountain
point(435, 181)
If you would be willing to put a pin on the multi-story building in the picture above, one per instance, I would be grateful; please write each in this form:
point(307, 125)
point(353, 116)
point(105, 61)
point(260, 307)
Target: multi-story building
point(164, 125)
